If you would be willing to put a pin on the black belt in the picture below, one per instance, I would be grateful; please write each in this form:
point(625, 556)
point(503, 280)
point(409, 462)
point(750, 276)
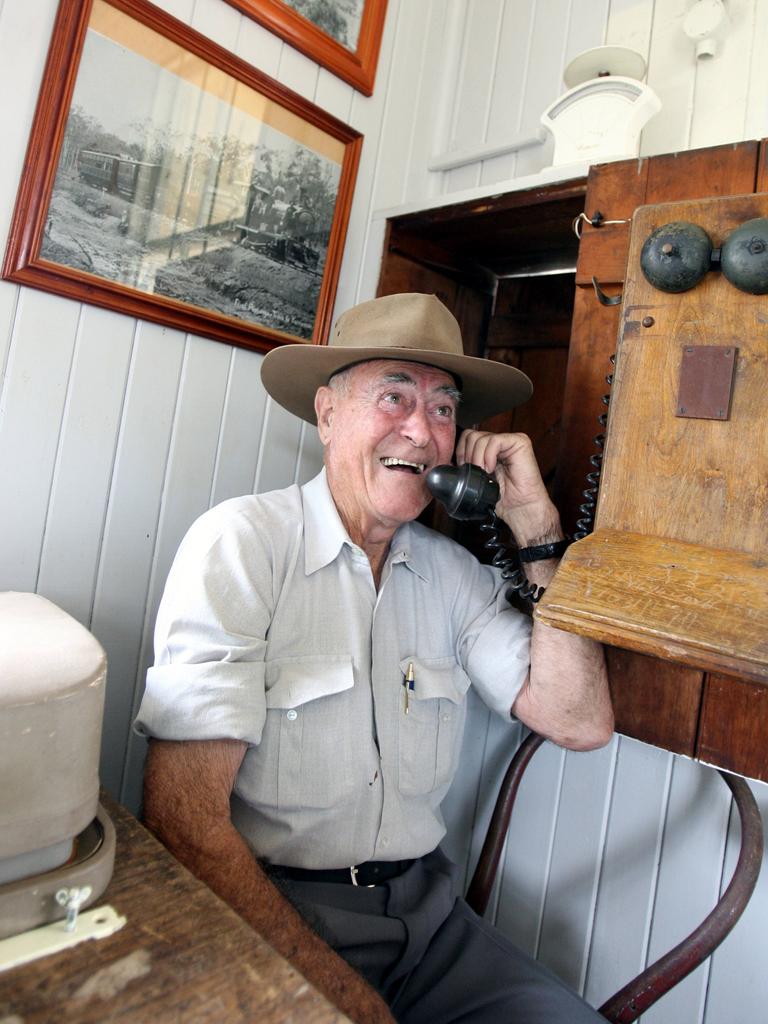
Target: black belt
point(373, 872)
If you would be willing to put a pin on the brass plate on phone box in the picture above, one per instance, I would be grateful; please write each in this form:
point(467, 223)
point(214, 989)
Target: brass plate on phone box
point(706, 382)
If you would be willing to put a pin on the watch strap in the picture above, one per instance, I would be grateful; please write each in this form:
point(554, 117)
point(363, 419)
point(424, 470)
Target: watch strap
point(539, 552)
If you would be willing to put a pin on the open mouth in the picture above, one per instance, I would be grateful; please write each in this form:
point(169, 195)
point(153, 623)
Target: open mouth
point(403, 464)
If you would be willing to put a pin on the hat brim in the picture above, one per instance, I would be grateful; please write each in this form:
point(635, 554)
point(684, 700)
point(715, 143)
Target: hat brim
point(292, 374)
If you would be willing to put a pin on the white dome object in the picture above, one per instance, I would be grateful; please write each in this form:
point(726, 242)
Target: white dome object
point(601, 61)
point(600, 120)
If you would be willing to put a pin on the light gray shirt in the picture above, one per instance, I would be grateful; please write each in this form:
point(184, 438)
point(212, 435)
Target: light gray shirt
point(271, 631)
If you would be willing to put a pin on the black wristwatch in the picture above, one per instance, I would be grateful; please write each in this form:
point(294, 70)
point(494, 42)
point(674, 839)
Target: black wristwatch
point(541, 551)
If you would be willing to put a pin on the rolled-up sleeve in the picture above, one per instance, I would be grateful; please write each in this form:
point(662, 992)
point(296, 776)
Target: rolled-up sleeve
point(208, 678)
point(495, 644)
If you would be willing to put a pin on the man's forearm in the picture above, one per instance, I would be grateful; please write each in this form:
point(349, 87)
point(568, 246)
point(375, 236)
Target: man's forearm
point(228, 867)
point(187, 786)
point(566, 696)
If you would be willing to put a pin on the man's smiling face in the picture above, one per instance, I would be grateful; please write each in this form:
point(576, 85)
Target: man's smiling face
point(384, 425)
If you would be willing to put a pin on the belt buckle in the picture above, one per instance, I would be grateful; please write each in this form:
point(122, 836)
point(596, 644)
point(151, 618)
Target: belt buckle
point(353, 875)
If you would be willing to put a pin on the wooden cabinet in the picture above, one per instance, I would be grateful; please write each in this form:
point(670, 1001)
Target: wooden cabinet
point(718, 718)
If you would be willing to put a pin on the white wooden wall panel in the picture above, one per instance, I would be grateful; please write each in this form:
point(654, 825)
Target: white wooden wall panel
point(611, 855)
point(186, 493)
point(506, 115)
point(33, 398)
point(629, 868)
point(460, 806)
point(84, 461)
point(693, 845)
point(737, 977)
point(712, 118)
point(576, 857)
point(755, 123)
point(530, 848)
point(480, 51)
point(441, 36)
point(241, 426)
point(119, 610)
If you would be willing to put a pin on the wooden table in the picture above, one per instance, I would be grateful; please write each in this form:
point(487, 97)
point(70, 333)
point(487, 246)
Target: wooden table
point(183, 956)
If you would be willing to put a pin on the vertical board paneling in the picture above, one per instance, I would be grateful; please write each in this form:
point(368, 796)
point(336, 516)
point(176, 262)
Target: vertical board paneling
point(131, 529)
point(717, 114)
point(628, 870)
point(437, 84)
point(459, 805)
point(279, 449)
point(9, 297)
point(298, 72)
point(671, 74)
point(543, 82)
point(737, 982)
point(508, 100)
point(502, 740)
point(529, 849)
point(392, 137)
point(25, 30)
point(218, 21)
point(259, 47)
point(689, 880)
point(182, 442)
point(756, 112)
point(186, 495)
point(241, 427)
point(367, 116)
point(475, 89)
point(310, 460)
point(576, 858)
point(630, 24)
point(78, 501)
point(37, 373)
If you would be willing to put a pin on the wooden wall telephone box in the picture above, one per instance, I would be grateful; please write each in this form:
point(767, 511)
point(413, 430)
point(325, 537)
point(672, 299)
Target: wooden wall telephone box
point(677, 565)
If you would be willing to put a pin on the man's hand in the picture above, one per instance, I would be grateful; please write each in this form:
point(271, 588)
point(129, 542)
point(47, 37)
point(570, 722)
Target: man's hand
point(524, 504)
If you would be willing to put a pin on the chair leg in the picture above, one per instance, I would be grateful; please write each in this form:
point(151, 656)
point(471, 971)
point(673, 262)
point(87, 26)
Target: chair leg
point(668, 970)
point(479, 891)
point(649, 986)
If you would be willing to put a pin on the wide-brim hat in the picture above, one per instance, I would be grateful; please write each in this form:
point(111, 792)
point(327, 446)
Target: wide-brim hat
point(409, 326)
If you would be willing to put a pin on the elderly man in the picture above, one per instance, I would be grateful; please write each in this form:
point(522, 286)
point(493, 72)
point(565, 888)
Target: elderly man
point(314, 648)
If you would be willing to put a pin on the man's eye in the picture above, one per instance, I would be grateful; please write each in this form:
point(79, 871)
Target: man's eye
point(445, 411)
point(392, 397)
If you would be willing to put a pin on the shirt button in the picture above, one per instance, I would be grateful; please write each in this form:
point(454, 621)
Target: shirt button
point(446, 717)
point(385, 842)
point(292, 715)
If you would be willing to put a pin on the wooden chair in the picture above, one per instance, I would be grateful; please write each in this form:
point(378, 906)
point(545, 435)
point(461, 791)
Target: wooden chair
point(644, 990)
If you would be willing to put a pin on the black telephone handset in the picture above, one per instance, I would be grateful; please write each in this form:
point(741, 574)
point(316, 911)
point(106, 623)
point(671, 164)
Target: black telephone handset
point(468, 492)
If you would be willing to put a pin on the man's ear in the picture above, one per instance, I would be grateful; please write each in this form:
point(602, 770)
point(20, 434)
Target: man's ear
point(324, 406)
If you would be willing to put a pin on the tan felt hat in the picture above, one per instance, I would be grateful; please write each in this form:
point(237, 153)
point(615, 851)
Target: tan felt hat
point(410, 326)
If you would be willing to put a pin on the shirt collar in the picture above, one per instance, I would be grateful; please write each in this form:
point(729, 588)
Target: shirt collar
point(324, 533)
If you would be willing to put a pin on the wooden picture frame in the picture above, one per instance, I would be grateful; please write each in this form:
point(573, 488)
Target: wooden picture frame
point(167, 179)
point(323, 39)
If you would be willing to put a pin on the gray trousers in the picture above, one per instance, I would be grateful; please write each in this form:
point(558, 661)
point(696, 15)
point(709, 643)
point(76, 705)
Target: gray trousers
point(431, 957)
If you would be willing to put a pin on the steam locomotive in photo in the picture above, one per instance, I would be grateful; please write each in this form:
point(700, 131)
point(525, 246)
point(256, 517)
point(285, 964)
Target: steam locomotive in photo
point(281, 230)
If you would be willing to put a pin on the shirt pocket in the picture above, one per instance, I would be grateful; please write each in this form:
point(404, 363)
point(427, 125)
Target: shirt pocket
point(304, 759)
point(430, 734)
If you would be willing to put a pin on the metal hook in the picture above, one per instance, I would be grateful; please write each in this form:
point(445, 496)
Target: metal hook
point(602, 298)
point(597, 220)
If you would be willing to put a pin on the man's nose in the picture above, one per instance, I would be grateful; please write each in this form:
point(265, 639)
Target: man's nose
point(416, 427)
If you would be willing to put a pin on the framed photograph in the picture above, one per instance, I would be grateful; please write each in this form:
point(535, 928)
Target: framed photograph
point(342, 35)
point(169, 180)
